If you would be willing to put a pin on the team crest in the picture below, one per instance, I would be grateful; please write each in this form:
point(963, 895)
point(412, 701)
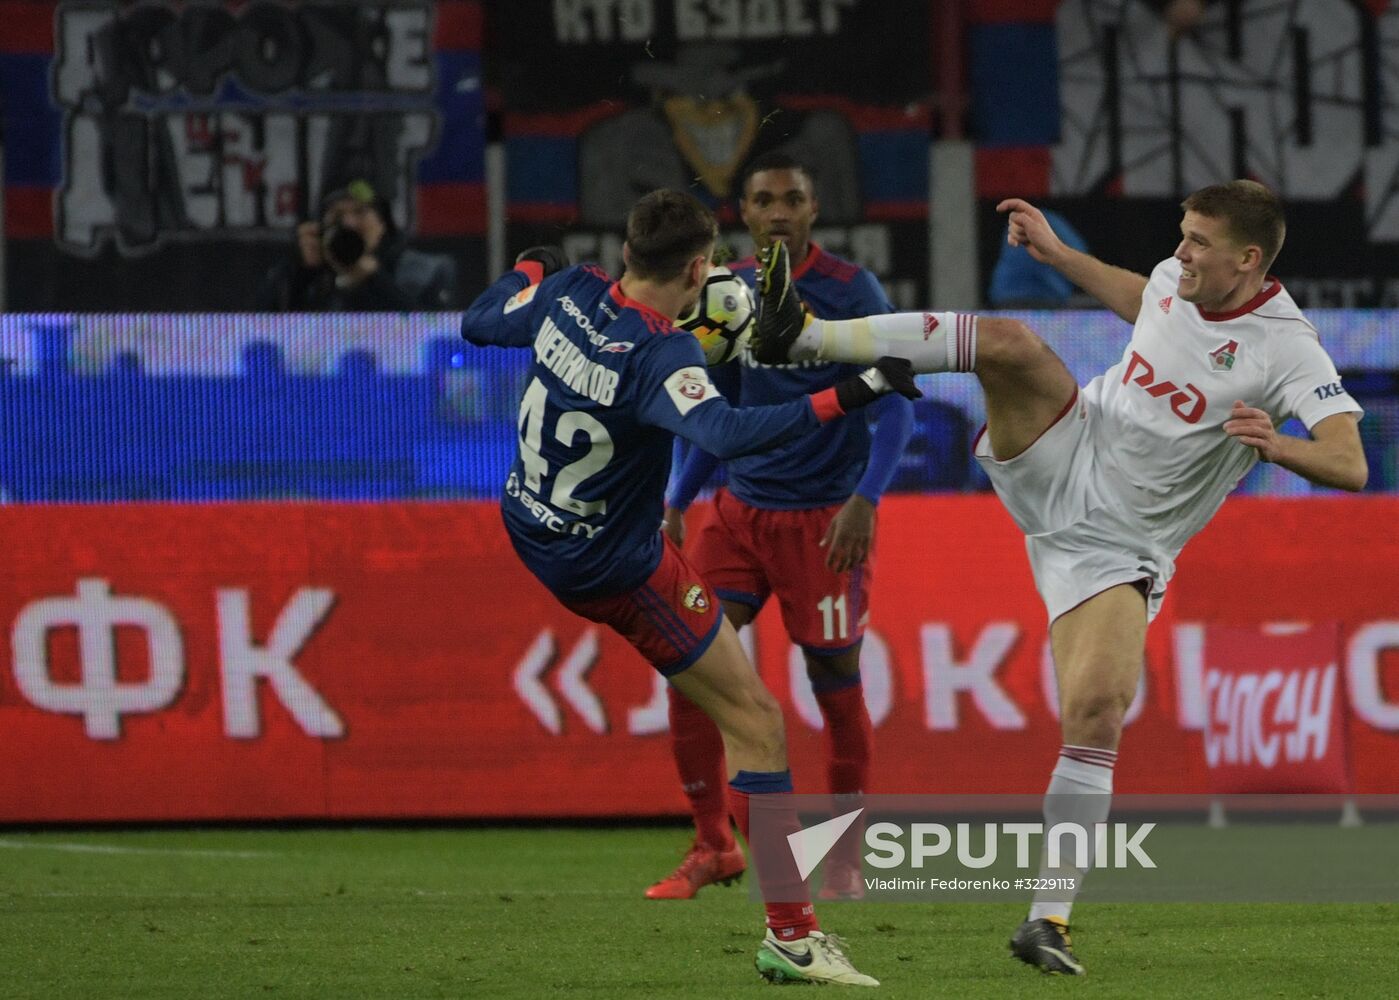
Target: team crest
point(1222, 358)
point(695, 600)
point(714, 135)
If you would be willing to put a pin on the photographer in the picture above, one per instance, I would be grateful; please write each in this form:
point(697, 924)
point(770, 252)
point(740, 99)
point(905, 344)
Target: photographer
point(355, 260)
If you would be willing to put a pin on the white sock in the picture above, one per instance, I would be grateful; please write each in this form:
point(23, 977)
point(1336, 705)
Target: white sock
point(1080, 791)
point(933, 342)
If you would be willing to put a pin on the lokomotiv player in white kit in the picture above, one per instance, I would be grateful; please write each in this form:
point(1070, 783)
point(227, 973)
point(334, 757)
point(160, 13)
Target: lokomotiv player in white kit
point(1109, 482)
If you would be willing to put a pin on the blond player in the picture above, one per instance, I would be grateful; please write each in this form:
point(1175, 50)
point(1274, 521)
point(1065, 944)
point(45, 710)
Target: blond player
point(1110, 481)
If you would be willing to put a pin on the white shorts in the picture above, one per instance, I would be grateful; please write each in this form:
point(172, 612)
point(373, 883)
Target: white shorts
point(1079, 538)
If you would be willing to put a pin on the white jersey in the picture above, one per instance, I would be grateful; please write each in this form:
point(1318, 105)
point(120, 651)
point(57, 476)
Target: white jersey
point(1163, 406)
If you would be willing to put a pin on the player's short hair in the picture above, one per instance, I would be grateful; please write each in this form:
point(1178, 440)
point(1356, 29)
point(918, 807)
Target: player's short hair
point(665, 230)
point(1252, 212)
point(774, 160)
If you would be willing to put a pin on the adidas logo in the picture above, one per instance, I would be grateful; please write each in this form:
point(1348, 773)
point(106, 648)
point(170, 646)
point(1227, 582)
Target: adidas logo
point(1165, 304)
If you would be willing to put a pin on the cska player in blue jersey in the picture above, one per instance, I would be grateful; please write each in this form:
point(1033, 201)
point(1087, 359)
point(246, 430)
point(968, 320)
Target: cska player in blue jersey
point(611, 383)
point(796, 522)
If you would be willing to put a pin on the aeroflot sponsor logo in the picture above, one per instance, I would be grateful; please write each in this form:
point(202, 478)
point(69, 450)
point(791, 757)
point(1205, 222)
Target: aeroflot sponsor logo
point(585, 324)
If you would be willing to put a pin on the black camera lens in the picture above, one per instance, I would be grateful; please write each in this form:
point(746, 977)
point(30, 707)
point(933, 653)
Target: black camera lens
point(344, 245)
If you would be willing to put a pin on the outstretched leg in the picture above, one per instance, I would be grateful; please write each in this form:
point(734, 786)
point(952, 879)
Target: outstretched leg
point(1027, 386)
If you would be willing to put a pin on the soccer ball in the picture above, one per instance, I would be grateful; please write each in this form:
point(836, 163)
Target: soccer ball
point(723, 317)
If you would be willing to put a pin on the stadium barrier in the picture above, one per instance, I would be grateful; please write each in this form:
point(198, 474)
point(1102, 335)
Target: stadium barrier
point(338, 660)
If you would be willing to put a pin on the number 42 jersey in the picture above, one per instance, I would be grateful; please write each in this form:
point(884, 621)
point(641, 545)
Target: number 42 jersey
point(610, 384)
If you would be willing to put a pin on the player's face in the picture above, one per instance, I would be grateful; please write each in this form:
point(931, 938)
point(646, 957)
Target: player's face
point(779, 205)
point(1214, 267)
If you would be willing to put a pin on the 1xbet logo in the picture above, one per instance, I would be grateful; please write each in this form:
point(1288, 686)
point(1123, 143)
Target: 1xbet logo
point(1330, 390)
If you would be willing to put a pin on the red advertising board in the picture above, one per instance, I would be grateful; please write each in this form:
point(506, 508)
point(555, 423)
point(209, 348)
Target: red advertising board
point(380, 660)
point(1275, 714)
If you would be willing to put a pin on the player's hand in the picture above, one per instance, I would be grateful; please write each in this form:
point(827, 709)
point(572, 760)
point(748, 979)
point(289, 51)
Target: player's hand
point(673, 526)
point(1253, 427)
point(1029, 228)
point(550, 258)
point(849, 535)
point(888, 375)
point(899, 376)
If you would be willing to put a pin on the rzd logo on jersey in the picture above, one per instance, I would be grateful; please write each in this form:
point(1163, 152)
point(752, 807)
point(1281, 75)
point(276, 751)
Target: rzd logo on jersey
point(1187, 403)
point(695, 600)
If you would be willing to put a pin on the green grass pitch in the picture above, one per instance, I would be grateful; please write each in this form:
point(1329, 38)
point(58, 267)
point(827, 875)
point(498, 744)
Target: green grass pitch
point(509, 912)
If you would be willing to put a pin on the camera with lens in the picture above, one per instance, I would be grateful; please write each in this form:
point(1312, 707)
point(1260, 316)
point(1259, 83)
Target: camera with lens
point(343, 245)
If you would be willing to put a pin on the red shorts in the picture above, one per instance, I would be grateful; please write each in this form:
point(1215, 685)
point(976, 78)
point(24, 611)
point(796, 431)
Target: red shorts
point(747, 553)
point(671, 618)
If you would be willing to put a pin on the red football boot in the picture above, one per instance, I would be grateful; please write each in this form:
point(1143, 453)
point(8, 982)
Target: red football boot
point(703, 866)
point(843, 881)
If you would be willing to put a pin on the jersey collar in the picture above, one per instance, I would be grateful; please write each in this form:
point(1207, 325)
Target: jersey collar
point(813, 251)
point(652, 316)
point(1270, 288)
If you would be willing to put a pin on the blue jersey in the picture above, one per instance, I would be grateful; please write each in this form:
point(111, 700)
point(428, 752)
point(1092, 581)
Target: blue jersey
point(824, 468)
point(611, 383)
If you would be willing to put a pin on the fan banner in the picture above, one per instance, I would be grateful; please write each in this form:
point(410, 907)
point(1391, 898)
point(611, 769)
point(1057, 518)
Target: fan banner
point(1091, 108)
point(343, 660)
point(160, 153)
point(676, 94)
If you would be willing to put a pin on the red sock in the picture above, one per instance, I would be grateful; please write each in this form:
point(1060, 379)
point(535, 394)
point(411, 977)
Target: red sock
point(699, 758)
point(793, 917)
point(848, 738)
point(848, 741)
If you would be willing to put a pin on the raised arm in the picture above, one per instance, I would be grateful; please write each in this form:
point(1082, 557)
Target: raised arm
point(502, 316)
point(1115, 287)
